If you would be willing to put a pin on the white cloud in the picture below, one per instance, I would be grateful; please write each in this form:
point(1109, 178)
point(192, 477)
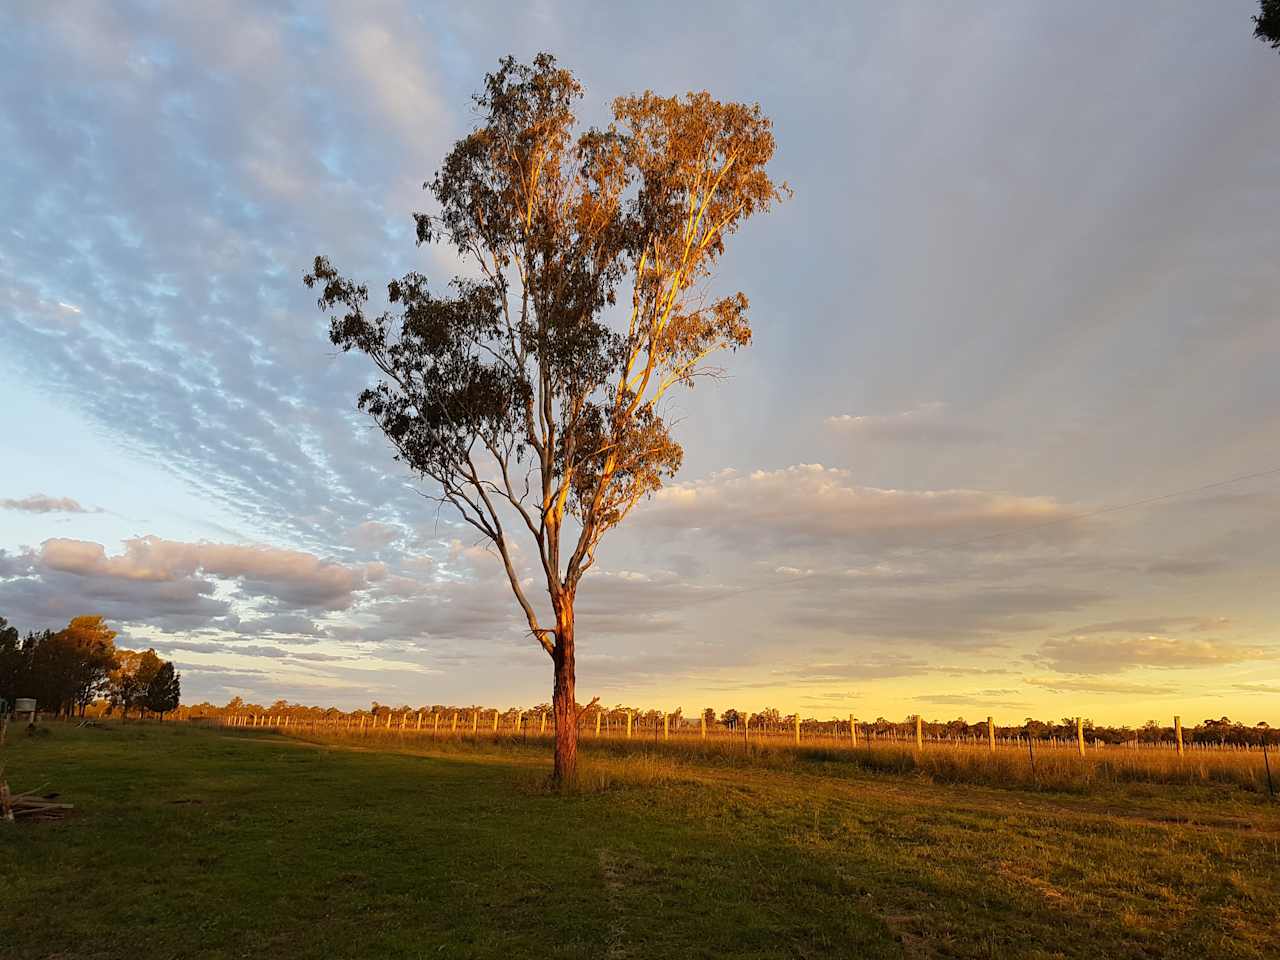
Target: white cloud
point(295, 578)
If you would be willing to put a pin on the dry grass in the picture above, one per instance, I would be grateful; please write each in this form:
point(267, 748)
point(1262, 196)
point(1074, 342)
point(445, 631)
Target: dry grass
point(1057, 768)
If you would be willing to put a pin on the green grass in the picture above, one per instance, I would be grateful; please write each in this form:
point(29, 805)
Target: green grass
point(190, 842)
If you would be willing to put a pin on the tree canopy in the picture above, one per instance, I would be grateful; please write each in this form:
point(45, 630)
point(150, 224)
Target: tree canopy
point(66, 670)
point(1267, 23)
point(164, 690)
point(63, 671)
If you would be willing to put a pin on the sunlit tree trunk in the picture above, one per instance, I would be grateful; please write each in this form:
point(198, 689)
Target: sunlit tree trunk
point(564, 706)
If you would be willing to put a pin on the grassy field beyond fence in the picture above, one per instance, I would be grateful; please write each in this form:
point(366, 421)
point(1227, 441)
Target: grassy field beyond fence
point(1050, 763)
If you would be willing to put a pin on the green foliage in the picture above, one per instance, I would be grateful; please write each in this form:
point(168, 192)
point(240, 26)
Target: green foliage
point(66, 671)
point(63, 671)
point(130, 681)
point(164, 690)
point(1267, 22)
point(11, 663)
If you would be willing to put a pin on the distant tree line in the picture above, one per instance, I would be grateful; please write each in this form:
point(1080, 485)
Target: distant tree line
point(66, 671)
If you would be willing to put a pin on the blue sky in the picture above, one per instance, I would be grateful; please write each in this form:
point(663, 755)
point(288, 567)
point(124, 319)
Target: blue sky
point(1028, 273)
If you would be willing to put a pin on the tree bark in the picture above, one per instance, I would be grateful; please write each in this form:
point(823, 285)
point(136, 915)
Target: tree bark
point(564, 706)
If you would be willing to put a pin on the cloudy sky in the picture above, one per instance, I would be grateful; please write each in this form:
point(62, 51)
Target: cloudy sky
point(1028, 275)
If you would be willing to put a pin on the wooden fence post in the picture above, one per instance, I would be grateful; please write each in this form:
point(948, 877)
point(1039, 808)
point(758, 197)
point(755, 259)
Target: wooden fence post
point(598, 714)
point(519, 721)
point(797, 728)
point(746, 728)
point(435, 722)
point(919, 733)
point(495, 720)
point(419, 726)
point(666, 730)
point(991, 734)
point(542, 722)
point(628, 724)
point(475, 721)
point(1080, 735)
point(455, 722)
point(704, 726)
point(1177, 729)
point(853, 730)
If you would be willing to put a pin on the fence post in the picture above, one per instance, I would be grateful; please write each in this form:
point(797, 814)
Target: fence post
point(853, 729)
point(455, 722)
point(435, 722)
point(542, 722)
point(991, 734)
point(1177, 729)
point(919, 733)
point(746, 727)
point(704, 726)
point(666, 731)
point(628, 724)
point(598, 713)
point(519, 721)
point(475, 721)
point(797, 728)
point(1080, 734)
point(495, 720)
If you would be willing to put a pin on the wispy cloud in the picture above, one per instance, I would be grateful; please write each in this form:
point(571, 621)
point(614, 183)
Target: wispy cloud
point(929, 423)
point(1095, 654)
point(811, 503)
point(40, 503)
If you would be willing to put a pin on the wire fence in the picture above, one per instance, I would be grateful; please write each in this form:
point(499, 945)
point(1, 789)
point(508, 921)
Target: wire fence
point(631, 725)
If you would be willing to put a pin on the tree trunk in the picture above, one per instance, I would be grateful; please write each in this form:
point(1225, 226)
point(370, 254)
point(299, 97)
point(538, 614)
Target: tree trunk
point(564, 706)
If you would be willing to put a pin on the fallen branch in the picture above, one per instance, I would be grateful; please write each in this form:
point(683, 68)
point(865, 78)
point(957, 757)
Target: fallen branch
point(29, 804)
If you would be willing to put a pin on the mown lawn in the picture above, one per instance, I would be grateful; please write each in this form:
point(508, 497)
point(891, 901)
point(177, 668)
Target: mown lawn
point(190, 842)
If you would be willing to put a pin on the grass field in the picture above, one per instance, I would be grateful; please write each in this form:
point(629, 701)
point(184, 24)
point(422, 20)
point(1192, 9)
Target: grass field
point(190, 842)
